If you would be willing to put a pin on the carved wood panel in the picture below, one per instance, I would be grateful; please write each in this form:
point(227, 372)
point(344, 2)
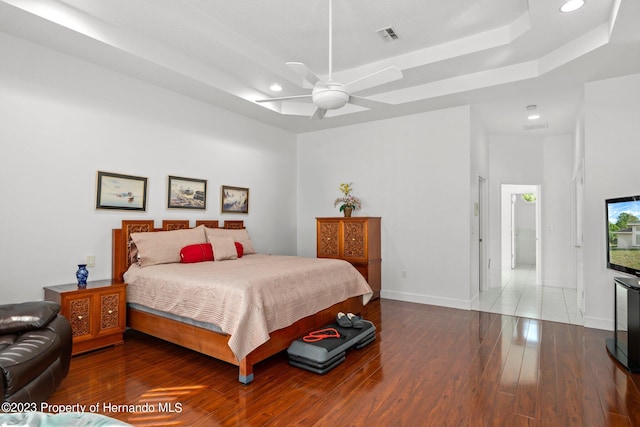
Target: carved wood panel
point(209, 223)
point(175, 224)
point(134, 226)
point(329, 239)
point(109, 311)
point(354, 239)
point(234, 224)
point(80, 318)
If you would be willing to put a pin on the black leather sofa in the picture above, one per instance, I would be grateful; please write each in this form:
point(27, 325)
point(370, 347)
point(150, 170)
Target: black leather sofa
point(35, 350)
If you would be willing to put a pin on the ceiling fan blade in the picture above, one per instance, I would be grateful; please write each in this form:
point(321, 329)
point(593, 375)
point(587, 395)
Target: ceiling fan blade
point(319, 114)
point(286, 98)
point(375, 79)
point(366, 102)
point(304, 72)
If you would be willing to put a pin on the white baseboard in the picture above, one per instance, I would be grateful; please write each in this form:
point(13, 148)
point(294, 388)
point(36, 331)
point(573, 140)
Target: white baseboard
point(598, 323)
point(426, 299)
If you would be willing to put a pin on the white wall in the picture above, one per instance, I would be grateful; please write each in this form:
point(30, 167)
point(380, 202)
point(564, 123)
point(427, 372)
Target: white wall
point(611, 133)
point(533, 160)
point(513, 160)
point(577, 234)
point(479, 209)
point(63, 119)
point(412, 171)
point(558, 214)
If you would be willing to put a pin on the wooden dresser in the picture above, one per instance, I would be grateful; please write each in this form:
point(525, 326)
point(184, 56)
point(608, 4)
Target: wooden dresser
point(356, 240)
point(97, 313)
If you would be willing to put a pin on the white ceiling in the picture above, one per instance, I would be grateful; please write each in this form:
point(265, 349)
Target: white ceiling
point(497, 55)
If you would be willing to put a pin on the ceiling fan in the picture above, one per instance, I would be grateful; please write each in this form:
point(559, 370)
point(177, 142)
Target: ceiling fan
point(331, 95)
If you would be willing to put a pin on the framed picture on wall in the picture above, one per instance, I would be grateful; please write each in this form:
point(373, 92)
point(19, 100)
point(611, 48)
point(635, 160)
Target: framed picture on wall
point(116, 191)
point(235, 199)
point(186, 193)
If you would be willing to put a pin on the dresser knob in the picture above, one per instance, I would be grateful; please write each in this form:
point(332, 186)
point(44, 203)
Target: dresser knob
point(79, 317)
point(110, 311)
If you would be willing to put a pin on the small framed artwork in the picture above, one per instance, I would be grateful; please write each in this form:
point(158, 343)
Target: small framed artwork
point(235, 199)
point(186, 193)
point(116, 191)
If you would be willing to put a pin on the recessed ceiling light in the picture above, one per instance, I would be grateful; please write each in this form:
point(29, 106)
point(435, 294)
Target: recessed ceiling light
point(571, 5)
point(534, 117)
point(275, 87)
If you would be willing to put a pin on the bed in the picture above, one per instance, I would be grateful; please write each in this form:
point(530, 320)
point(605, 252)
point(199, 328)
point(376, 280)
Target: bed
point(241, 338)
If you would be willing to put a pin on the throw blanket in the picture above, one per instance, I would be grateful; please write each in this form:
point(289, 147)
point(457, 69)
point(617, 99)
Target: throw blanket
point(66, 419)
point(248, 297)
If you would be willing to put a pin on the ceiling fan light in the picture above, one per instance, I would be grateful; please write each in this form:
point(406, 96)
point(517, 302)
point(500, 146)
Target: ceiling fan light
point(571, 5)
point(330, 99)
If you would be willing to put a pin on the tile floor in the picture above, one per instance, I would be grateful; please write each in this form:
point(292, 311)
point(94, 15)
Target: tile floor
point(520, 296)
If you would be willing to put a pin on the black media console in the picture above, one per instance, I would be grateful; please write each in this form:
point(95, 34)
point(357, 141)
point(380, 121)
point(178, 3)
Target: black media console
point(625, 345)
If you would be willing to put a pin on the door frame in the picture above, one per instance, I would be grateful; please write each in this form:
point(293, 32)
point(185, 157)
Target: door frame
point(507, 190)
point(483, 227)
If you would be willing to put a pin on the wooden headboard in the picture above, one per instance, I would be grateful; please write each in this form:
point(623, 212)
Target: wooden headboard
point(120, 237)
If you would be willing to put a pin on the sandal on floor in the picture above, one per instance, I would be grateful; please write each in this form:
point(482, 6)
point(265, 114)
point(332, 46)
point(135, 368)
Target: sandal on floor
point(343, 320)
point(356, 321)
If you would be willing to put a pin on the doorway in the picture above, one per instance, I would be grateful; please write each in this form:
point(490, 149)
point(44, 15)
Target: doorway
point(520, 291)
point(521, 226)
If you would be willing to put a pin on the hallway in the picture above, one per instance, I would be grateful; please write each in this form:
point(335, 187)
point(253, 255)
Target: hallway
point(519, 296)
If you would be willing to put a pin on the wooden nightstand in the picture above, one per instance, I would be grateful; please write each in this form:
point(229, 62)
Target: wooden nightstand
point(97, 313)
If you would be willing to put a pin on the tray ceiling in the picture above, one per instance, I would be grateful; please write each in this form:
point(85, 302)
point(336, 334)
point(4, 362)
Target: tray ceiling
point(497, 55)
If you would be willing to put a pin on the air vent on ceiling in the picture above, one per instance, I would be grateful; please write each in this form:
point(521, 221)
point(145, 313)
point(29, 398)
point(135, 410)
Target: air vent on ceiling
point(535, 126)
point(388, 34)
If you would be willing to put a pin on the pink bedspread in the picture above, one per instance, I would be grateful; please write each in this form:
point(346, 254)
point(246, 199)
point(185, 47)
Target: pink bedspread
point(248, 297)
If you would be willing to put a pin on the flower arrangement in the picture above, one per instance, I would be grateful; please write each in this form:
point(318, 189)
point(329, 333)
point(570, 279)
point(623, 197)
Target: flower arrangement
point(348, 200)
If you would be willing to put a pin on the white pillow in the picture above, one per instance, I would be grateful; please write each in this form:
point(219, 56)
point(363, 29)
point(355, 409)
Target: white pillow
point(224, 248)
point(238, 235)
point(163, 247)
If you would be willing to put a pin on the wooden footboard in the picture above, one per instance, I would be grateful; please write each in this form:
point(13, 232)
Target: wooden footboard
point(203, 340)
point(216, 344)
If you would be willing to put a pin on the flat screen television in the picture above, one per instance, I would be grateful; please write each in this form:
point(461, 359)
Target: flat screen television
point(623, 234)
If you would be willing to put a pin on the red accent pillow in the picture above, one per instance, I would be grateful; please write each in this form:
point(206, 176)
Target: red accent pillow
point(239, 249)
point(196, 253)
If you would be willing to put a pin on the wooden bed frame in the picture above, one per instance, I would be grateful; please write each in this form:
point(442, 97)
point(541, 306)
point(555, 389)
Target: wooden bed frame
point(202, 340)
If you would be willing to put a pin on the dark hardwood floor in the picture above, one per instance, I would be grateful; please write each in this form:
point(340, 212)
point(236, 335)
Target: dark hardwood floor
point(429, 366)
